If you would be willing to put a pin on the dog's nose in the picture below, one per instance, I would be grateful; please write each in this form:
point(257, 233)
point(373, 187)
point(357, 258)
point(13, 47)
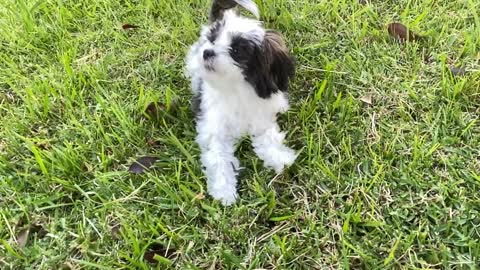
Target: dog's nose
point(207, 54)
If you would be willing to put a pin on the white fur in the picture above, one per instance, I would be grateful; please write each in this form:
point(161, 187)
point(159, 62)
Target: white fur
point(250, 6)
point(231, 109)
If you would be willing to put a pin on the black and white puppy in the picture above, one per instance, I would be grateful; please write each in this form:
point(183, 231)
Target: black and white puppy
point(240, 74)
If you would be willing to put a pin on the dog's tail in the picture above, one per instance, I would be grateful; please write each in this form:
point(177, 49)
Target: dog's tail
point(219, 7)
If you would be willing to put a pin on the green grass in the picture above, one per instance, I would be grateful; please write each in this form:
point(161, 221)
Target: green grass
point(392, 185)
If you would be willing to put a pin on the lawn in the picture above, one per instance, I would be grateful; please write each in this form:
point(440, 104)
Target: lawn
point(388, 175)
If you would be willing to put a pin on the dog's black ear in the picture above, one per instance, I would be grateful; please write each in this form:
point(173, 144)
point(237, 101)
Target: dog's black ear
point(279, 66)
point(271, 67)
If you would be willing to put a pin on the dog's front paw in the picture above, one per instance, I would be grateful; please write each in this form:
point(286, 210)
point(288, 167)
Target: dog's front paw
point(227, 195)
point(284, 157)
point(223, 188)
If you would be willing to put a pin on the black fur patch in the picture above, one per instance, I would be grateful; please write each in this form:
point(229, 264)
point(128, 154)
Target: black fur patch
point(219, 7)
point(215, 30)
point(267, 71)
point(197, 100)
point(243, 52)
point(282, 70)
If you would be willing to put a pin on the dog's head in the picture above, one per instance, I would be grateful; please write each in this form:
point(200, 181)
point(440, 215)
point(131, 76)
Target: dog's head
point(238, 49)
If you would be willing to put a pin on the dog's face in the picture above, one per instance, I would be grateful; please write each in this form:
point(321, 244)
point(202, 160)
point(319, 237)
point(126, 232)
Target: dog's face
point(239, 49)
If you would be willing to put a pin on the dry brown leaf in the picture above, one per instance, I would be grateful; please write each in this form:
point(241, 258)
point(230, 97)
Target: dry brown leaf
point(367, 99)
point(116, 231)
point(153, 109)
point(156, 110)
point(153, 143)
point(142, 164)
point(22, 237)
point(129, 26)
point(157, 249)
point(401, 32)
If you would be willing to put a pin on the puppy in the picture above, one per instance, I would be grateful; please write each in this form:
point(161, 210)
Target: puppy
point(240, 74)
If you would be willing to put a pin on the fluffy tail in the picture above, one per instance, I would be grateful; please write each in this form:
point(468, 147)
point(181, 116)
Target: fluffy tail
point(219, 7)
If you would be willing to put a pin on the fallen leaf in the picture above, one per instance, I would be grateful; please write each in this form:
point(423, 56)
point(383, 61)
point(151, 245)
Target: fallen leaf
point(157, 250)
point(142, 164)
point(401, 32)
point(116, 231)
point(151, 142)
point(367, 99)
point(153, 109)
point(458, 71)
point(22, 237)
point(129, 26)
point(156, 110)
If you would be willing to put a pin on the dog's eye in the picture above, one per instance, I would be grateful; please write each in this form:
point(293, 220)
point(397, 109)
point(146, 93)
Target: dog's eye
point(235, 51)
